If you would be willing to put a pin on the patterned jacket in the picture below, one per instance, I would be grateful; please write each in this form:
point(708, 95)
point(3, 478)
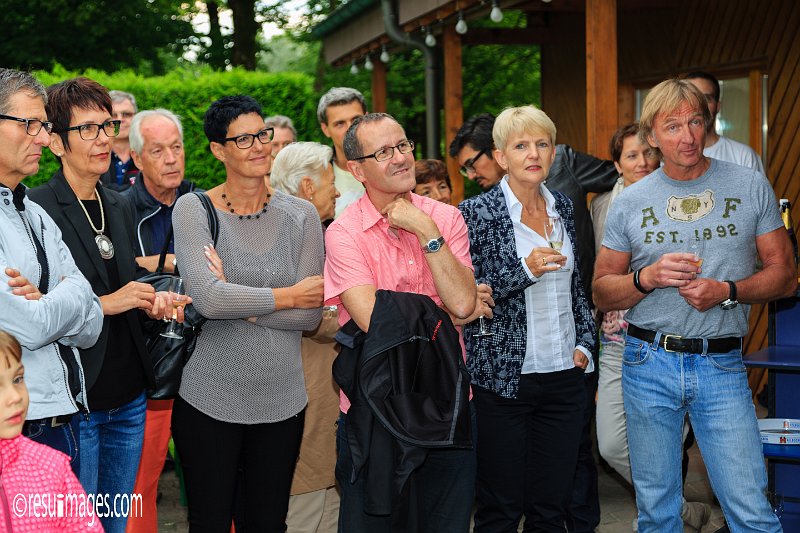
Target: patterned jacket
point(495, 362)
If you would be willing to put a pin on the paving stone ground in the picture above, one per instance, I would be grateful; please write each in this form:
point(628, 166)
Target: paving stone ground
point(617, 504)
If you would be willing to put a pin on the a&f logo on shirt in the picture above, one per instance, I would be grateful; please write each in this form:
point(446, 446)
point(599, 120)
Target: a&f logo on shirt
point(690, 209)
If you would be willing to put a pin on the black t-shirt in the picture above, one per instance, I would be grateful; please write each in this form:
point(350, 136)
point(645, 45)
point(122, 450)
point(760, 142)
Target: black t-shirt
point(121, 377)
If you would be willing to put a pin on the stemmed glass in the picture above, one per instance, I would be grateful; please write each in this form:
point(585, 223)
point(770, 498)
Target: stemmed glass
point(554, 233)
point(483, 329)
point(178, 294)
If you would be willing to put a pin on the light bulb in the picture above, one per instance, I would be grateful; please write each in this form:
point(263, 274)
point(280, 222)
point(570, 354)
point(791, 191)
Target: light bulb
point(368, 64)
point(354, 68)
point(546, 1)
point(461, 25)
point(430, 40)
point(497, 14)
point(384, 55)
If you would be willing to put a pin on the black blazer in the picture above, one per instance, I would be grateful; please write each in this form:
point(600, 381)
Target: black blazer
point(60, 202)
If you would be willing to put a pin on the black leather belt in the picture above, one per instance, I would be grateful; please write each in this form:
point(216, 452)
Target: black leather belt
point(676, 343)
point(59, 420)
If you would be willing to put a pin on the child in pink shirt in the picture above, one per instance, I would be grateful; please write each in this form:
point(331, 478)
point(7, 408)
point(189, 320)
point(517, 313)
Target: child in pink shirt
point(38, 491)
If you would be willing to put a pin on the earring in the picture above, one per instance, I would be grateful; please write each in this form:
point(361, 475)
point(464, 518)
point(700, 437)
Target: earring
point(311, 197)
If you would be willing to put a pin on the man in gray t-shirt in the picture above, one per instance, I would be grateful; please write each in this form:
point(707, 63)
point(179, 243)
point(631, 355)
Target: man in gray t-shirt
point(683, 349)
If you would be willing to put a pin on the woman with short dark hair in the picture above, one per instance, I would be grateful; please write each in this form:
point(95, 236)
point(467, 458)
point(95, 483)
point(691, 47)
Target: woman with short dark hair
point(242, 398)
point(96, 224)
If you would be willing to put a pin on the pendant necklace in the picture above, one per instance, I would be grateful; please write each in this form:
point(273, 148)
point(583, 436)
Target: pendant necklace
point(104, 244)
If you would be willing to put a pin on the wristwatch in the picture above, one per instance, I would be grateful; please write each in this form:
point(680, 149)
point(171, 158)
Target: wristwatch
point(731, 302)
point(433, 245)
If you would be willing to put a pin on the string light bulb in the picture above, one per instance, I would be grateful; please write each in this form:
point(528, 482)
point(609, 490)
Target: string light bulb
point(430, 40)
point(368, 64)
point(354, 68)
point(384, 55)
point(497, 14)
point(461, 25)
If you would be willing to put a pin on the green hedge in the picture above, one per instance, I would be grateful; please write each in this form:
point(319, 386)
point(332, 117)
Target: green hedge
point(188, 93)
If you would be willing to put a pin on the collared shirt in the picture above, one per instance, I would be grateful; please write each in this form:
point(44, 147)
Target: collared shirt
point(161, 222)
point(350, 189)
point(362, 250)
point(121, 169)
point(550, 321)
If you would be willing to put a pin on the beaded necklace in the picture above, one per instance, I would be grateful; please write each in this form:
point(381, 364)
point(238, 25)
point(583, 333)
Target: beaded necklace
point(241, 217)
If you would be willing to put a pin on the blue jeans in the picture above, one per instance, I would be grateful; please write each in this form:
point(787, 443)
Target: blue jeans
point(659, 388)
point(64, 438)
point(111, 446)
point(444, 486)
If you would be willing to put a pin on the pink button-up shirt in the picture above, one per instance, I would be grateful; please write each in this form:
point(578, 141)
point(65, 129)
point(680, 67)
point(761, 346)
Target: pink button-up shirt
point(361, 250)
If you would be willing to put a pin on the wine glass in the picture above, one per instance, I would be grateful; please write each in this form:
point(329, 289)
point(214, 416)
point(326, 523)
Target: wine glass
point(554, 233)
point(178, 294)
point(483, 329)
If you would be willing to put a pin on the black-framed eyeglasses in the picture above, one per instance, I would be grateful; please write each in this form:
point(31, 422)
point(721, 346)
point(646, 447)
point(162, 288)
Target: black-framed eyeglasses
point(90, 132)
point(469, 165)
point(32, 125)
point(384, 154)
point(246, 140)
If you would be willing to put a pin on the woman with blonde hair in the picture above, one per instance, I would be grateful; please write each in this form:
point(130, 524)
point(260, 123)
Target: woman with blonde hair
point(527, 376)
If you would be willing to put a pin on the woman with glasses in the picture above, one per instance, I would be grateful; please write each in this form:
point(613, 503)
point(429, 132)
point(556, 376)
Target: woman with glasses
point(242, 395)
point(96, 226)
point(527, 376)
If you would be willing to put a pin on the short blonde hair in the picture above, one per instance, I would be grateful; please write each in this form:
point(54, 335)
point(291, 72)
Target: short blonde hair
point(9, 346)
point(666, 97)
point(523, 119)
point(297, 161)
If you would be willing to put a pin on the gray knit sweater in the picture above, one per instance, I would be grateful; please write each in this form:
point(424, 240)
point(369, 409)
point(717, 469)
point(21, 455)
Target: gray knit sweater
point(240, 371)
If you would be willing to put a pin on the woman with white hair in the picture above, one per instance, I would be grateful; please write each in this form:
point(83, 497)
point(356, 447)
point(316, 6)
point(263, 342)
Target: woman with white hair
point(527, 377)
point(304, 170)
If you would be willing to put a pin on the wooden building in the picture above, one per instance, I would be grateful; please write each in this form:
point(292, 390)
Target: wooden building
point(600, 56)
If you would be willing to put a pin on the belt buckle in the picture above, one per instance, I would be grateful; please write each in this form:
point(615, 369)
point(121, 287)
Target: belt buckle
point(54, 423)
point(666, 339)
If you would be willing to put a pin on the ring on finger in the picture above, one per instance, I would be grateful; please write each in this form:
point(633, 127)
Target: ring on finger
point(544, 261)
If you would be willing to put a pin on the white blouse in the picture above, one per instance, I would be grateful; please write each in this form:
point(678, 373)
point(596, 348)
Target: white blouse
point(550, 320)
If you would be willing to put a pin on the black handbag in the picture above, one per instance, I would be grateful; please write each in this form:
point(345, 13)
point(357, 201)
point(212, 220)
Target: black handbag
point(169, 356)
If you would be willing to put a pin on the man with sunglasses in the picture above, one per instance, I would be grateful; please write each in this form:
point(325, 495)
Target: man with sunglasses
point(122, 172)
point(45, 301)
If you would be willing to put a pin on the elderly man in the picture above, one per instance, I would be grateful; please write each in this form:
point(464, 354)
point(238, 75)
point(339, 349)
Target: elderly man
point(337, 110)
point(688, 311)
point(122, 172)
point(45, 301)
point(718, 146)
point(157, 149)
point(283, 134)
point(393, 239)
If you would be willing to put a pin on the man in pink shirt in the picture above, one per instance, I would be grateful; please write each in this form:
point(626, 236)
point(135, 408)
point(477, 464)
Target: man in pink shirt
point(395, 240)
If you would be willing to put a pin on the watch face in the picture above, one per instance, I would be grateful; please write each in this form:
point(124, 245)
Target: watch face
point(434, 245)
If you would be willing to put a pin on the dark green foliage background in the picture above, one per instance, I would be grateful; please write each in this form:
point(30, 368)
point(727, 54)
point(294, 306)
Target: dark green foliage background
point(189, 93)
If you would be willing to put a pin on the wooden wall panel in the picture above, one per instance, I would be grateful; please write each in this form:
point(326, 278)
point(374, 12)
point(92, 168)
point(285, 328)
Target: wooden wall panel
point(564, 77)
point(728, 37)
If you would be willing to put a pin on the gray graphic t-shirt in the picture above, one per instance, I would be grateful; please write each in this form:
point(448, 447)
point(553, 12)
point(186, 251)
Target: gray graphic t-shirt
point(728, 207)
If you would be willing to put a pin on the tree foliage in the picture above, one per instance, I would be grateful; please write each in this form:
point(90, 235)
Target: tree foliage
point(188, 93)
point(101, 34)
